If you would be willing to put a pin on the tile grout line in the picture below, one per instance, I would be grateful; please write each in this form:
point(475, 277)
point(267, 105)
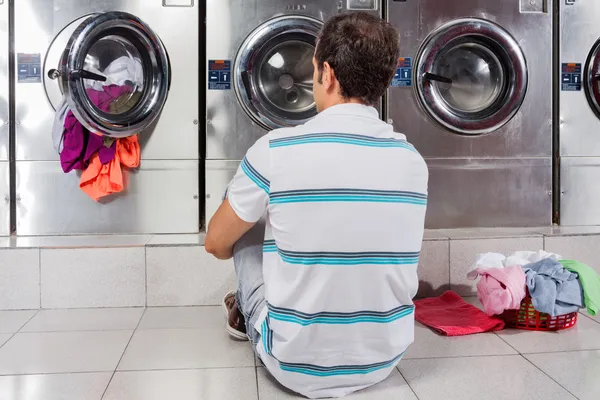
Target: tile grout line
point(449, 266)
point(123, 355)
point(256, 376)
point(40, 274)
point(27, 322)
point(145, 277)
point(18, 330)
point(551, 378)
point(124, 370)
point(407, 383)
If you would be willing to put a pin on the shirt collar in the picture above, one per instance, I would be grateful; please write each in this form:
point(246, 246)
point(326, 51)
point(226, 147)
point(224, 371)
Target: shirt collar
point(353, 109)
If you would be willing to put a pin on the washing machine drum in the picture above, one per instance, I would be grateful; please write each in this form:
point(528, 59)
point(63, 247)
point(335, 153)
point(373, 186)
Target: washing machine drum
point(273, 72)
point(112, 70)
point(471, 76)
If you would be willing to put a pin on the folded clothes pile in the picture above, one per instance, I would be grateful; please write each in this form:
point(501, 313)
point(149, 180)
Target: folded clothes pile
point(556, 286)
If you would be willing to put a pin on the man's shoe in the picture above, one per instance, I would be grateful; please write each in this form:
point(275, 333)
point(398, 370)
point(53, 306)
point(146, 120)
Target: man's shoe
point(236, 323)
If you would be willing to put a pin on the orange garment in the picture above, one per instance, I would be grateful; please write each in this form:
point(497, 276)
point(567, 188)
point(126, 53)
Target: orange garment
point(99, 180)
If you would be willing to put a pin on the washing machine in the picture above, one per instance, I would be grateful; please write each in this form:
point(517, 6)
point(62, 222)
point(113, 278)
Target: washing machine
point(473, 93)
point(579, 102)
point(259, 75)
point(4, 122)
point(61, 48)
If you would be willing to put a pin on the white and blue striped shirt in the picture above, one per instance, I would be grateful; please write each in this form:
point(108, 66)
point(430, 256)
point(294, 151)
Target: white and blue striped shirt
point(345, 198)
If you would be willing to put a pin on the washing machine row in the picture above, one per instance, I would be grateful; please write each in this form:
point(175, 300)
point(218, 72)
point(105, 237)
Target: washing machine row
point(473, 92)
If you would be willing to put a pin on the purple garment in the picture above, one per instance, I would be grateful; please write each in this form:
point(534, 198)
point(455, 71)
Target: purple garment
point(103, 98)
point(76, 153)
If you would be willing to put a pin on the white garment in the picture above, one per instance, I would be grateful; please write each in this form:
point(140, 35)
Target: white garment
point(518, 258)
point(58, 127)
point(118, 72)
point(345, 198)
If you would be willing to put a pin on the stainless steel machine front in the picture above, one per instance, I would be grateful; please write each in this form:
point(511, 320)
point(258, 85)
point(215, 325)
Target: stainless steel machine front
point(259, 75)
point(579, 128)
point(61, 47)
point(473, 93)
point(4, 122)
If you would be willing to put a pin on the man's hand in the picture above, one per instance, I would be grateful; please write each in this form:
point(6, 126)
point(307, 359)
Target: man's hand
point(225, 228)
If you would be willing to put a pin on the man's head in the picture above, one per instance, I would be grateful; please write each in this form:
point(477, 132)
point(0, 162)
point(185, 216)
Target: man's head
point(355, 60)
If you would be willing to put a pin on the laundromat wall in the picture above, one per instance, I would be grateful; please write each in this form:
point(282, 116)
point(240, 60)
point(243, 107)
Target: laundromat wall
point(162, 195)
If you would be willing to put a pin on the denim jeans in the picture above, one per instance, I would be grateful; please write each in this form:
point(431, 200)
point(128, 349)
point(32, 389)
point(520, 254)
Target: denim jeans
point(247, 258)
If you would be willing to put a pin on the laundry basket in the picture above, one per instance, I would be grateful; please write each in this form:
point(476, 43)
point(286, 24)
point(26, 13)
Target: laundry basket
point(529, 319)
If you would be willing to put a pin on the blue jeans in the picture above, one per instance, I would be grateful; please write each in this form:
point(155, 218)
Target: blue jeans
point(250, 296)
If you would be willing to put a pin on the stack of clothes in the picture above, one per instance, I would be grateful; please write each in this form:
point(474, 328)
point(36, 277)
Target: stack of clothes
point(101, 159)
point(556, 286)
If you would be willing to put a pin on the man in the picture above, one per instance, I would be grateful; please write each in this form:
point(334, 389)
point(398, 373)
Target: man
point(325, 223)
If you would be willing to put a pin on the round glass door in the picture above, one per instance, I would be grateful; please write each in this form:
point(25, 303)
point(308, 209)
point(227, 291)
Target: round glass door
point(471, 76)
point(273, 76)
point(113, 71)
point(591, 79)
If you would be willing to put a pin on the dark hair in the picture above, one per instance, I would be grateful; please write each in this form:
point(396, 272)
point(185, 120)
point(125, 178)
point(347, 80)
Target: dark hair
point(363, 51)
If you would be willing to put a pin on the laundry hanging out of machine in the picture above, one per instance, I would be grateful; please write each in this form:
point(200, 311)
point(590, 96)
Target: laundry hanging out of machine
point(102, 159)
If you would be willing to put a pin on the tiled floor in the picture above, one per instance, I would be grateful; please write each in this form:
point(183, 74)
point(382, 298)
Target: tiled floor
point(184, 353)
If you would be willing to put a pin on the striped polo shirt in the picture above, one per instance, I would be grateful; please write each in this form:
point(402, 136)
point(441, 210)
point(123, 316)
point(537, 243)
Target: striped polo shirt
point(345, 199)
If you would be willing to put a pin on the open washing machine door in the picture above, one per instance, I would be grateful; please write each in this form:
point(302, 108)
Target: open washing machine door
point(113, 71)
point(273, 72)
point(471, 76)
point(591, 78)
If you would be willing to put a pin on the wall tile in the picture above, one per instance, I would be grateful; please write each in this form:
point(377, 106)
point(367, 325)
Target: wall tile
point(19, 279)
point(434, 268)
point(184, 276)
point(103, 277)
point(581, 248)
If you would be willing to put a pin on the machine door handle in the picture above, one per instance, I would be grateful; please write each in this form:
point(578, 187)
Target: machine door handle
point(83, 74)
point(428, 76)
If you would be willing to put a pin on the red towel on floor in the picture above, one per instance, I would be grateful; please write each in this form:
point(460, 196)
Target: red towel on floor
point(450, 315)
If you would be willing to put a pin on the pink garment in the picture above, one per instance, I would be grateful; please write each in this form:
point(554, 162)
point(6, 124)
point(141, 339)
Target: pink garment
point(107, 95)
point(501, 289)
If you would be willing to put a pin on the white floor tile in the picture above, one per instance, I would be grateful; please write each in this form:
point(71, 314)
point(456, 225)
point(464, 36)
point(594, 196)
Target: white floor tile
point(577, 371)
point(394, 387)
point(583, 336)
point(86, 386)
point(12, 321)
point(431, 345)
point(206, 384)
point(58, 352)
point(4, 338)
point(477, 378)
point(183, 317)
point(94, 319)
point(185, 348)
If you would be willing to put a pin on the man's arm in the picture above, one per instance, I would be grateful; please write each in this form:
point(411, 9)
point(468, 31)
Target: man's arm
point(225, 228)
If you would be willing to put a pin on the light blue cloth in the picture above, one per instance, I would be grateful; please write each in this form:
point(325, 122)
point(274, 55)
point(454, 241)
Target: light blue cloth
point(553, 289)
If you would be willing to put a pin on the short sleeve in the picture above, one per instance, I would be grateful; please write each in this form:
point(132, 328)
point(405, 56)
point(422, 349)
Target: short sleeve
point(248, 192)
